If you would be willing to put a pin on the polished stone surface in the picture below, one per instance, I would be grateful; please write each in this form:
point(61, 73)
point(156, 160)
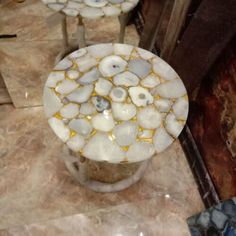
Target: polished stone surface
point(92, 9)
point(217, 220)
point(150, 98)
point(36, 187)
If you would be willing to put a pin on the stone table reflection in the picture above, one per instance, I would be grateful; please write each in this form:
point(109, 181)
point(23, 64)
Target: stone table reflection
point(90, 9)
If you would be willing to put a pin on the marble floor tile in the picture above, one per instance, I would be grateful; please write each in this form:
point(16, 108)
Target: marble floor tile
point(25, 67)
point(28, 20)
point(157, 216)
point(35, 185)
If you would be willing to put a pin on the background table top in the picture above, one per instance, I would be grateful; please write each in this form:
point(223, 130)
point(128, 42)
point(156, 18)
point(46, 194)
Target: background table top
point(91, 8)
point(115, 103)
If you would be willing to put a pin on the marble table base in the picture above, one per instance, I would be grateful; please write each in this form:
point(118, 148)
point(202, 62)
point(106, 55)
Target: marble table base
point(78, 167)
point(123, 19)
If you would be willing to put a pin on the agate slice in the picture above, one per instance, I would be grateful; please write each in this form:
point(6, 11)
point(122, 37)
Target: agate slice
point(112, 65)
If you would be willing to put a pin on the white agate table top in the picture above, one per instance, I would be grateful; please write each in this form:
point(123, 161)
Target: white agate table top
point(92, 9)
point(115, 102)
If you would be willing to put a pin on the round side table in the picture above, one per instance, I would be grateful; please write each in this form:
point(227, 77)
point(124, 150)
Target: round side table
point(91, 9)
point(117, 104)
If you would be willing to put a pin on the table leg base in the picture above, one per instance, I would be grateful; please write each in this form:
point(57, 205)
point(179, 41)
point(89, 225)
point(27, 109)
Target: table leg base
point(123, 19)
point(77, 166)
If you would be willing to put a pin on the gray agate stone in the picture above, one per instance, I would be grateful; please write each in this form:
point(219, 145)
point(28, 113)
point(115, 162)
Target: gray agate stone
point(140, 67)
point(217, 220)
point(116, 1)
point(89, 77)
point(101, 103)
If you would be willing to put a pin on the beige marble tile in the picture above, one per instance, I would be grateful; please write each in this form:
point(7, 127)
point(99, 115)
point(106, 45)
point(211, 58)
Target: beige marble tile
point(35, 185)
point(25, 67)
point(29, 21)
point(158, 216)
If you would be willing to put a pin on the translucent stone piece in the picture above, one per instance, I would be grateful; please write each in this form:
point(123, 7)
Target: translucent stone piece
point(126, 79)
point(112, 65)
point(59, 128)
point(150, 81)
point(101, 103)
point(100, 50)
point(96, 3)
point(126, 133)
point(52, 103)
point(70, 11)
point(89, 77)
point(134, 1)
point(140, 96)
point(149, 118)
point(165, 71)
point(76, 143)
point(219, 219)
point(146, 133)
point(101, 148)
point(49, 1)
point(70, 110)
point(140, 67)
point(172, 125)
point(66, 86)
point(103, 87)
point(146, 55)
point(111, 11)
point(118, 94)
point(140, 151)
point(163, 105)
point(81, 94)
point(123, 111)
point(127, 6)
point(81, 126)
point(55, 77)
point(123, 49)
point(72, 74)
point(75, 5)
point(116, 1)
point(78, 53)
point(56, 6)
point(161, 140)
point(171, 89)
point(87, 108)
point(91, 12)
point(63, 64)
point(103, 121)
point(180, 108)
point(86, 62)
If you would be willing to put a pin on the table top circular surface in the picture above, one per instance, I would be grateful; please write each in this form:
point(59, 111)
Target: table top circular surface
point(91, 8)
point(115, 102)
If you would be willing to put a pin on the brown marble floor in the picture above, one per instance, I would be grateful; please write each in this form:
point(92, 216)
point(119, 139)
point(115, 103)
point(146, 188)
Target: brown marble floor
point(39, 197)
point(26, 60)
